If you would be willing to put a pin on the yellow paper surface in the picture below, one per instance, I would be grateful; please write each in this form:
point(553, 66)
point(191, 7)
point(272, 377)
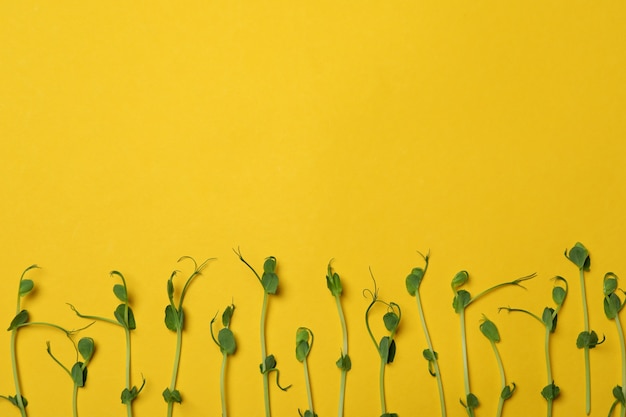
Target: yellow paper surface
point(490, 134)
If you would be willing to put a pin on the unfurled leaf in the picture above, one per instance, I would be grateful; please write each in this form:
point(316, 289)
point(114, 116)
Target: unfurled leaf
point(333, 282)
point(414, 280)
point(13, 400)
point(387, 348)
point(609, 285)
point(79, 374)
point(268, 364)
point(459, 279)
point(579, 256)
point(26, 286)
point(618, 393)
point(226, 339)
point(172, 396)
point(391, 321)
point(344, 363)
point(507, 392)
point(461, 299)
point(549, 319)
point(612, 305)
point(489, 329)
point(302, 344)
point(588, 340)
point(129, 395)
point(19, 319)
point(227, 315)
point(120, 292)
point(119, 315)
point(171, 318)
point(550, 392)
point(86, 347)
point(269, 280)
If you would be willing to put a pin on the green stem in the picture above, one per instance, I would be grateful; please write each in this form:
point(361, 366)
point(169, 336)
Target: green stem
point(548, 366)
point(383, 406)
point(586, 322)
point(129, 407)
point(16, 379)
point(266, 382)
point(622, 344)
point(75, 400)
point(344, 352)
point(222, 384)
point(465, 364)
point(179, 343)
point(442, 400)
point(502, 376)
point(307, 381)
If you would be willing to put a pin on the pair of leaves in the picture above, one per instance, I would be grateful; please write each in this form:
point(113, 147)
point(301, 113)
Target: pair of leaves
point(461, 299)
point(173, 318)
point(588, 340)
point(472, 402)
point(13, 400)
point(387, 349)
point(344, 363)
point(550, 318)
point(269, 365)
point(20, 319)
point(226, 340)
point(333, 282)
point(431, 356)
point(172, 396)
point(579, 255)
point(129, 395)
point(86, 348)
point(303, 347)
point(269, 279)
point(507, 392)
point(414, 280)
point(550, 392)
point(79, 374)
point(125, 316)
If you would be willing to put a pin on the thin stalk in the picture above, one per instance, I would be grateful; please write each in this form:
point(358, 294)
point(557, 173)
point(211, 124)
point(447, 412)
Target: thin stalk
point(222, 384)
point(179, 340)
point(466, 380)
point(344, 352)
point(75, 400)
point(548, 366)
point(308, 385)
point(442, 400)
point(266, 382)
point(16, 379)
point(129, 408)
point(586, 348)
point(502, 376)
point(383, 406)
point(618, 324)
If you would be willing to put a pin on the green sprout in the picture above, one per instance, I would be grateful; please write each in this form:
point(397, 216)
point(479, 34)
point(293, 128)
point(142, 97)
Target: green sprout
point(387, 346)
point(78, 373)
point(549, 320)
point(333, 282)
point(612, 306)
point(124, 318)
point(269, 282)
point(489, 329)
point(174, 321)
point(462, 299)
point(303, 348)
point(587, 339)
point(227, 344)
point(413, 282)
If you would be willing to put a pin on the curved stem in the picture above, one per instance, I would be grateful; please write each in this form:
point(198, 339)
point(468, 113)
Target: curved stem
point(502, 376)
point(16, 378)
point(266, 382)
point(308, 385)
point(222, 384)
point(442, 400)
point(383, 406)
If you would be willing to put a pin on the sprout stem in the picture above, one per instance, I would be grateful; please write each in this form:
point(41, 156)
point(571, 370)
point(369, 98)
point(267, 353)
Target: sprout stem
point(466, 379)
point(586, 348)
point(222, 384)
point(266, 382)
point(308, 385)
point(548, 366)
point(344, 352)
point(383, 406)
point(179, 340)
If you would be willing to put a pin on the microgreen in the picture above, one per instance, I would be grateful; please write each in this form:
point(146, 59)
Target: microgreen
point(549, 320)
point(413, 283)
point(269, 282)
point(462, 299)
point(386, 348)
point(124, 318)
point(489, 329)
point(333, 282)
point(587, 339)
point(78, 373)
point(612, 306)
point(227, 344)
point(174, 321)
point(304, 343)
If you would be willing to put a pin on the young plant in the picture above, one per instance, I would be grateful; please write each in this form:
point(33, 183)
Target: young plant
point(124, 318)
point(587, 339)
point(303, 348)
point(174, 321)
point(489, 329)
point(78, 373)
point(333, 282)
point(462, 299)
point(386, 348)
point(549, 320)
point(226, 342)
point(269, 282)
point(612, 306)
point(413, 282)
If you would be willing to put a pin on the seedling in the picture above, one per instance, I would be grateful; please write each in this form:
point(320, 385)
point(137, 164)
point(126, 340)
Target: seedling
point(125, 319)
point(303, 348)
point(612, 306)
point(78, 373)
point(269, 282)
point(333, 282)
point(174, 321)
point(413, 283)
point(386, 348)
point(226, 342)
point(462, 299)
point(489, 329)
point(549, 320)
point(587, 339)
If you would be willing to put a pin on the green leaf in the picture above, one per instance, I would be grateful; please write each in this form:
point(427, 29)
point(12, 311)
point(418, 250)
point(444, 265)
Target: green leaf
point(344, 363)
point(26, 286)
point(579, 256)
point(171, 318)
point(461, 299)
point(430, 356)
point(268, 364)
point(387, 349)
point(558, 295)
point(414, 280)
point(549, 319)
point(86, 347)
point(333, 282)
point(472, 402)
point(588, 340)
point(270, 264)
point(79, 374)
point(227, 315)
point(119, 315)
point(13, 400)
point(226, 339)
point(609, 285)
point(172, 396)
point(507, 392)
point(170, 287)
point(302, 343)
point(129, 395)
point(269, 280)
point(550, 392)
point(389, 415)
point(19, 319)
point(459, 279)
point(612, 305)
point(489, 329)
point(391, 321)
point(120, 292)
point(619, 395)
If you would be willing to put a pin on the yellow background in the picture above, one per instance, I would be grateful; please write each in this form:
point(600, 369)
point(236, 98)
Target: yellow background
point(490, 133)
